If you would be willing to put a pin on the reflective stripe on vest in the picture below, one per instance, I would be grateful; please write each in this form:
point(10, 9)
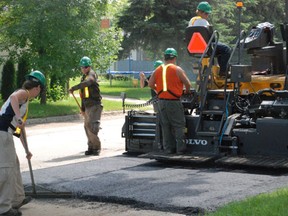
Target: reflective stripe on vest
point(164, 80)
point(86, 92)
point(194, 19)
point(165, 88)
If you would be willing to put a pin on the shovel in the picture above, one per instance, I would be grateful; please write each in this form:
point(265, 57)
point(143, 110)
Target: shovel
point(29, 163)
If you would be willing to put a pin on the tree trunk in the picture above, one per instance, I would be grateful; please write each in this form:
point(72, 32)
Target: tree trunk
point(43, 96)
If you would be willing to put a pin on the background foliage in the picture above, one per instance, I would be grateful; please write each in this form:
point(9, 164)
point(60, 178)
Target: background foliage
point(155, 25)
point(8, 79)
point(53, 35)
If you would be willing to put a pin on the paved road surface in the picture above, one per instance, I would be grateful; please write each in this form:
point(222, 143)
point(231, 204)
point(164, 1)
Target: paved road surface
point(122, 185)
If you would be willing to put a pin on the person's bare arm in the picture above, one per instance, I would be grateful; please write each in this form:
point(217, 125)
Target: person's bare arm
point(16, 98)
point(142, 80)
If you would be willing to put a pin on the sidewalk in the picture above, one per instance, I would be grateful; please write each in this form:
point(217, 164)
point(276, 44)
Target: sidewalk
point(118, 98)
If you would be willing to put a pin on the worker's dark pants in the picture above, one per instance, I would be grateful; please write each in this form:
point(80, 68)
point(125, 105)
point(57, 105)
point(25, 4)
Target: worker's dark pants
point(223, 53)
point(92, 118)
point(172, 121)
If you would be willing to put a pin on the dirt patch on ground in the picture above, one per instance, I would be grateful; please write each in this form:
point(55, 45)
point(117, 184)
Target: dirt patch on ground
point(73, 207)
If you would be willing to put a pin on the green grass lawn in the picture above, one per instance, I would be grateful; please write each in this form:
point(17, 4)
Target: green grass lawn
point(65, 107)
point(69, 106)
point(124, 86)
point(269, 204)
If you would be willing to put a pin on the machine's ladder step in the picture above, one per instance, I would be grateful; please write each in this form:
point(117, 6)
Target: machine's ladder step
point(145, 130)
point(143, 135)
point(256, 161)
point(189, 158)
point(213, 112)
point(144, 124)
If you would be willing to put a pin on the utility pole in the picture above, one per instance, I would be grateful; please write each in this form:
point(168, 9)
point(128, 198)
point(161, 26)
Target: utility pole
point(286, 42)
point(239, 5)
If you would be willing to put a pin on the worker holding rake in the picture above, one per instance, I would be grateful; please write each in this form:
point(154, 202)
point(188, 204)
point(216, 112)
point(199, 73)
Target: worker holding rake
point(13, 114)
point(91, 106)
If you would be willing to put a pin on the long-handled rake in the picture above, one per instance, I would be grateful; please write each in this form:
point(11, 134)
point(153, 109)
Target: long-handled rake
point(76, 100)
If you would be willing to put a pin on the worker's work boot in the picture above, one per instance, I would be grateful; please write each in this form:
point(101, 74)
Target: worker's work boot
point(12, 212)
point(25, 201)
point(92, 152)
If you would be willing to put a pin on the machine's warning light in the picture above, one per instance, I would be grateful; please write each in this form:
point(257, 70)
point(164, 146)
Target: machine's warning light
point(239, 4)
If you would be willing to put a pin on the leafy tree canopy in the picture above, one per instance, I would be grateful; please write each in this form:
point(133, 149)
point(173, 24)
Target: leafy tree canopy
point(155, 25)
point(56, 34)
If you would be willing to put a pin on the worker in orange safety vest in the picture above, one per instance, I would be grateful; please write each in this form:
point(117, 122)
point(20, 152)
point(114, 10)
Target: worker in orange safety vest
point(168, 80)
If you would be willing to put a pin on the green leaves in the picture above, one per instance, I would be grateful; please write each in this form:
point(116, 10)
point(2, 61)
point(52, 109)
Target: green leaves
point(155, 25)
point(56, 34)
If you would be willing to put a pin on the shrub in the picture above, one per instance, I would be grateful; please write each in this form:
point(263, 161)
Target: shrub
point(55, 93)
point(22, 71)
point(8, 79)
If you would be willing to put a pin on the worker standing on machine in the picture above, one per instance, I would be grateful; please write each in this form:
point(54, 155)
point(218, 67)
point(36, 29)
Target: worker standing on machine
point(13, 114)
point(223, 51)
point(91, 106)
point(168, 80)
point(144, 82)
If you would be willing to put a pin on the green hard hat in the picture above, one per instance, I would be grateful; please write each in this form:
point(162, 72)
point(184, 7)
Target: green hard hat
point(85, 61)
point(205, 7)
point(171, 51)
point(157, 63)
point(37, 76)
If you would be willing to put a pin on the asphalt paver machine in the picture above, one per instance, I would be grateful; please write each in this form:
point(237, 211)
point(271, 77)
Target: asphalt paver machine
point(241, 119)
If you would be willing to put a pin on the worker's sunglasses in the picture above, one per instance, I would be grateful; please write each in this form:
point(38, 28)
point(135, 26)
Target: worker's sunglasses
point(204, 12)
point(85, 67)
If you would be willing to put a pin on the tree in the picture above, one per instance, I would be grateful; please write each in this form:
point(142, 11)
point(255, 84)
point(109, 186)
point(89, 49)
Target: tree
point(23, 70)
point(155, 25)
point(225, 16)
point(56, 34)
point(8, 79)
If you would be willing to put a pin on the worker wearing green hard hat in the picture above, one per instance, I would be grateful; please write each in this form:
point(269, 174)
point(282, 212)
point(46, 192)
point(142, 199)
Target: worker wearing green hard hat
point(170, 52)
point(13, 115)
point(91, 105)
point(157, 63)
point(223, 51)
point(205, 7)
point(85, 62)
point(168, 82)
point(37, 76)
